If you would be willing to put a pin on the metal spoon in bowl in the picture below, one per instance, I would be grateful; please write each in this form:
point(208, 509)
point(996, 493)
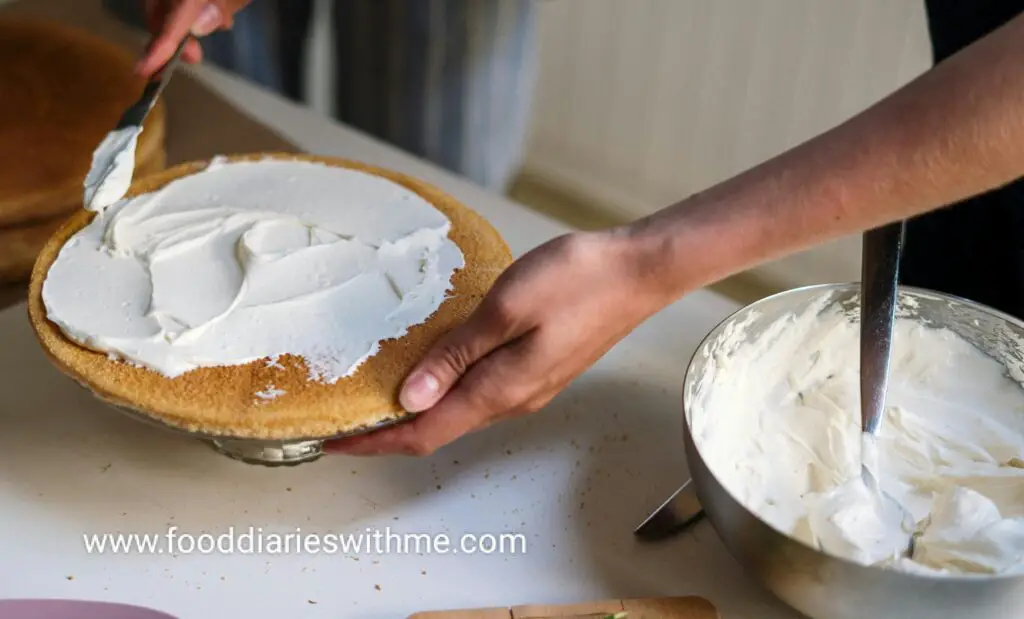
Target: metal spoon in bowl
point(882, 249)
point(880, 264)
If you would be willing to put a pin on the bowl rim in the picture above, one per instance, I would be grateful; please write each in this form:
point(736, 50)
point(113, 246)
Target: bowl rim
point(821, 289)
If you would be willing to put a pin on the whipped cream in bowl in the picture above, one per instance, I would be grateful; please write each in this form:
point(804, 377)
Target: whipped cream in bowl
point(774, 445)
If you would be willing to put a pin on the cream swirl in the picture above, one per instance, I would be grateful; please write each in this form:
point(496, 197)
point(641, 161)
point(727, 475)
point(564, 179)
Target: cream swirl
point(250, 260)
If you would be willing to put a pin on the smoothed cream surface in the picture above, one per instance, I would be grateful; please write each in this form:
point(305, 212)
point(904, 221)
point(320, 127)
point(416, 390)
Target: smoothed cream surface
point(250, 260)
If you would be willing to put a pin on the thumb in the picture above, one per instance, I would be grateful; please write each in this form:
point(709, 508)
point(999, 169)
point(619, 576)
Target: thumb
point(453, 355)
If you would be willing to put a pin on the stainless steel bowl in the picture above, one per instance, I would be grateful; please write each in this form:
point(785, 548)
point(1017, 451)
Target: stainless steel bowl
point(819, 585)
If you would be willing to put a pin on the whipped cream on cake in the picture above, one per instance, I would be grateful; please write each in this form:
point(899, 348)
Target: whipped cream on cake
point(112, 169)
point(252, 260)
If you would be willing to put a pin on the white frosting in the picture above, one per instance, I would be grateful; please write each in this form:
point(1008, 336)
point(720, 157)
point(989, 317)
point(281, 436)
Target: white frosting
point(270, 393)
point(778, 422)
point(115, 153)
point(244, 261)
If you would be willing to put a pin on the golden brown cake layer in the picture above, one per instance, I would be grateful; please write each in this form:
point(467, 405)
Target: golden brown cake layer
point(220, 400)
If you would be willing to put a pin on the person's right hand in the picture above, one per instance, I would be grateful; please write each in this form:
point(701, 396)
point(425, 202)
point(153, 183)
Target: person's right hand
point(170, 21)
point(548, 318)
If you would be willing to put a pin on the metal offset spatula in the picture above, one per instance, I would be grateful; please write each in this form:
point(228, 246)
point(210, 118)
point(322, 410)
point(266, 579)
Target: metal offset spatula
point(136, 114)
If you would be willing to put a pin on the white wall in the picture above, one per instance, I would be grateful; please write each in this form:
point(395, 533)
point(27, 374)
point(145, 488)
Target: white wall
point(643, 102)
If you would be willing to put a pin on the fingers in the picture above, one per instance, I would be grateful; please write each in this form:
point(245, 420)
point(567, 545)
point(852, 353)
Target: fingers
point(193, 52)
point(420, 436)
point(157, 12)
point(498, 384)
point(489, 327)
point(171, 22)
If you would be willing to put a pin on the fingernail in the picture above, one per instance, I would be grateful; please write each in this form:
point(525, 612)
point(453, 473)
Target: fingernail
point(208, 21)
point(419, 392)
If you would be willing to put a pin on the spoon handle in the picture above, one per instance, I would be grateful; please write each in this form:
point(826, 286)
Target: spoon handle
point(880, 264)
point(677, 513)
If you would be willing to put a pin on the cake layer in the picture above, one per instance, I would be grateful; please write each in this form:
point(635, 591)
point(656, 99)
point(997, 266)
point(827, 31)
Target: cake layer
point(279, 395)
point(20, 244)
point(63, 90)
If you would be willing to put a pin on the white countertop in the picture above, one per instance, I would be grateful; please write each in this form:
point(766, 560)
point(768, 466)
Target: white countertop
point(575, 478)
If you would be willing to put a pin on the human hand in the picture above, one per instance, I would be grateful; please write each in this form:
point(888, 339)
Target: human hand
point(170, 21)
point(549, 317)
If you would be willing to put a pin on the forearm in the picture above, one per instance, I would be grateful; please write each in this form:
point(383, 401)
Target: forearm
point(956, 131)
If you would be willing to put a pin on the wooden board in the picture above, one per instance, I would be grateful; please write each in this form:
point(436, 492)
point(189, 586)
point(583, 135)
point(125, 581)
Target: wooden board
point(690, 607)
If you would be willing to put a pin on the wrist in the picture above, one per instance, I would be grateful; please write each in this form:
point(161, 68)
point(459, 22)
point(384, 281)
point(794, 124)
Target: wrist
point(692, 244)
point(650, 254)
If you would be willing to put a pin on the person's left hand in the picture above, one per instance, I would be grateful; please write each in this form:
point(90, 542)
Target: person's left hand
point(549, 317)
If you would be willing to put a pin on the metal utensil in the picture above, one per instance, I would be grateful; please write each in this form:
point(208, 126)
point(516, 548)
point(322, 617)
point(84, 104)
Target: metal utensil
point(880, 265)
point(270, 453)
point(136, 114)
point(677, 513)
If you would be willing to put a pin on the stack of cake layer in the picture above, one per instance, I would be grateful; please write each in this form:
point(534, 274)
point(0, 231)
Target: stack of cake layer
point(62, 91)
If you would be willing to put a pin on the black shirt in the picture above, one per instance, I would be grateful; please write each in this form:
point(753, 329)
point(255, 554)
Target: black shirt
point(973, 249)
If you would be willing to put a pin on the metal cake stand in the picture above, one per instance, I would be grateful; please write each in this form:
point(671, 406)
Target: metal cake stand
point(264, 452)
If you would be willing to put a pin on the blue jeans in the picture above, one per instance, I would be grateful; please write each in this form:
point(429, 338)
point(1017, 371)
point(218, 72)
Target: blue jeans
point(451, 81)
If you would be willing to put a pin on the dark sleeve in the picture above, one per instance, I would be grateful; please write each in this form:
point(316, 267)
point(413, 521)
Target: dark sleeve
point(975, 248)
point(130, 12)
point(955, 24)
